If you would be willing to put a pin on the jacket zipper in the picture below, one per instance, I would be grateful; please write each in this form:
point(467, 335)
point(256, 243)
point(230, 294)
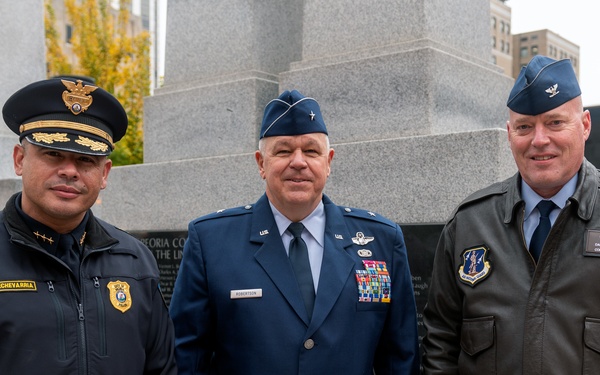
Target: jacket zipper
point(60, 323)
point(101, 317)
point(83, 347)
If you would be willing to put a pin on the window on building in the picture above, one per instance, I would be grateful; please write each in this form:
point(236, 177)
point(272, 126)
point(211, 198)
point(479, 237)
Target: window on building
point(502, 46)
point(534, 37)
point(524, 39)
point(507, 28)
point(501, 26)
point(534, 50)
point(508, 48)
point(524, 52)
point(68, 33)
point(494, 23)
point(493, 41)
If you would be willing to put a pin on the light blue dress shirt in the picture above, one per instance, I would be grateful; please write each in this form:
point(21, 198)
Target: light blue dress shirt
point(531, 198)
point(313, 234)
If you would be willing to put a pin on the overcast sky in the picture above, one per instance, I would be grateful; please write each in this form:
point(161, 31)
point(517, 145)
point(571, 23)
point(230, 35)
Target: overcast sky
point(575, 20)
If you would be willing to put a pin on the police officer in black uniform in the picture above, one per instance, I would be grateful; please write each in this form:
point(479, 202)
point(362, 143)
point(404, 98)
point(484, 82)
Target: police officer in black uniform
point(78, 295)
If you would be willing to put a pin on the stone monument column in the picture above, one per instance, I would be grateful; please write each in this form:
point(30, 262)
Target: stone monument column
point(415, 110)
point(413, 104)
point(221, 67)
point(22, 61)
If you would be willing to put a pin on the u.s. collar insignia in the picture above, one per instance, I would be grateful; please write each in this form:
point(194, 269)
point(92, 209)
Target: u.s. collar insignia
point(361, 239)
point(77, 99)
point(552, 90)
point(475, 266)
point(120, 296)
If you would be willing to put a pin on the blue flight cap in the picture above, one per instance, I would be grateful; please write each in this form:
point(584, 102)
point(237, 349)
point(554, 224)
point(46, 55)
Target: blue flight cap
point(542, 85)
point(292, 114)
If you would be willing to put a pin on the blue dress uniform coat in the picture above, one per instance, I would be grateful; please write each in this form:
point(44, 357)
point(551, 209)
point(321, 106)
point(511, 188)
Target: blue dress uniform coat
point(51, 325)
point(240, 250)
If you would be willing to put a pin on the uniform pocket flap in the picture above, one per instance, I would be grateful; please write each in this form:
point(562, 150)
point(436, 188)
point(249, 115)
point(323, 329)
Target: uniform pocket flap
point(591, 336)
point(477, 334)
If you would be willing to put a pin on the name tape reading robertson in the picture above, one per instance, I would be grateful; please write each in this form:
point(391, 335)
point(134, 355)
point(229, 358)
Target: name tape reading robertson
point(246, 293)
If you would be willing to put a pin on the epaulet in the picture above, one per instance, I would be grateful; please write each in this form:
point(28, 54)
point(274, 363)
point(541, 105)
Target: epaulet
point(365, 214)
point(497, 188)
point(228, 212)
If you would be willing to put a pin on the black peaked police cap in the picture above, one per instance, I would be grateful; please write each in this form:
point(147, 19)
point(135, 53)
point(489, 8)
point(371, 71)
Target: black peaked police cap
point(66, 113)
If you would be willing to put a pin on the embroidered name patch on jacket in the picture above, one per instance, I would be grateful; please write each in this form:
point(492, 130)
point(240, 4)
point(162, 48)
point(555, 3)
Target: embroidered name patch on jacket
point(374, 283)
point(18, 286)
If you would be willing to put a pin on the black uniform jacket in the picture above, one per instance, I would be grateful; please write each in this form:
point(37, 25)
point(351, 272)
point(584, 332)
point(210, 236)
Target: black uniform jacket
point(114, 322)
point(492, 310)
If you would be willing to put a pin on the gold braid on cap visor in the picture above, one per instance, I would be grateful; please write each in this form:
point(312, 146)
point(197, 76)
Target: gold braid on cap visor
point(66, 125)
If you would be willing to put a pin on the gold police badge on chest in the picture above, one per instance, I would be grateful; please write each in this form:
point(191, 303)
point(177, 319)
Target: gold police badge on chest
point(120, 296)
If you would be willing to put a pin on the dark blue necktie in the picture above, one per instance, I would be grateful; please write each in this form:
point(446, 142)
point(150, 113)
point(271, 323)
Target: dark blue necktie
point(69, 253)
point(541, 232)
point(299, 259)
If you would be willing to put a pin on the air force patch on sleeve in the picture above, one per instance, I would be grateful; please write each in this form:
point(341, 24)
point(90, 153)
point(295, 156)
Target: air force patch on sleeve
point(475, 266)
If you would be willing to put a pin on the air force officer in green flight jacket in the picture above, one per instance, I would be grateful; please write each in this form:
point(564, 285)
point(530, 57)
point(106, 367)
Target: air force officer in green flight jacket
point(294, 284)
point(516, 272)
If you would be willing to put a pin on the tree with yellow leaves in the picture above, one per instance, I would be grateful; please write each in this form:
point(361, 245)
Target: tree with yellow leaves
point(119, 62)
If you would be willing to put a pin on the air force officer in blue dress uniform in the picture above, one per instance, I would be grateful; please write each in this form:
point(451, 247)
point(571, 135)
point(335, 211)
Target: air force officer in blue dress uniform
point(294, 284)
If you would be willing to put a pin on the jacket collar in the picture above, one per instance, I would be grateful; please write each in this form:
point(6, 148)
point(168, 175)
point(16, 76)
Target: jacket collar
point(336, 267)
point(96, 237)
point(585, 196)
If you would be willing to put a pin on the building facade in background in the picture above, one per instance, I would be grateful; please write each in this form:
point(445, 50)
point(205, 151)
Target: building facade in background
point(500, 16)
point(511, 52)
point(543, 42)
